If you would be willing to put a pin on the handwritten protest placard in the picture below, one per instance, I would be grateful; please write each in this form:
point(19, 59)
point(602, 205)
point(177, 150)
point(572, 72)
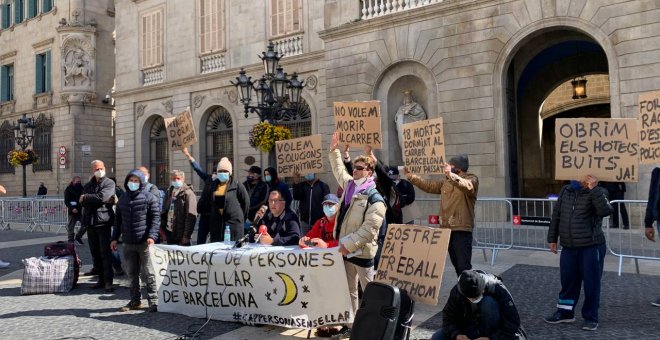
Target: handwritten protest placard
point(180, 130)
point(424, 146)
point(281, 286)
point(602, 147)
point(649, 127)
point(300, 155)
point(358, 123)
point(413, 258)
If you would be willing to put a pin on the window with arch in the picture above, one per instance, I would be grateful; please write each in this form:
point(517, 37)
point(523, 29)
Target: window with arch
point(43, 143)
point(159, 155)
point(7, 144)
point(219, 137)
point(299, 121)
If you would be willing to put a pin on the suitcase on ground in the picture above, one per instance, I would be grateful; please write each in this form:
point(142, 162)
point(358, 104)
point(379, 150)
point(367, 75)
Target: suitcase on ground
point(47, 275)
point(385, 313)
point(62, 248)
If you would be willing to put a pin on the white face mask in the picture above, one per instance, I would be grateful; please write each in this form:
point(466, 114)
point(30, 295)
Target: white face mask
point(360, 181)
point(146, 178)
point(477, 300)
point(99, 174)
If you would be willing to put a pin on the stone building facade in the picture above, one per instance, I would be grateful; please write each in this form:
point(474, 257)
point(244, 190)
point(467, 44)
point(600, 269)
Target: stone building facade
point(57, 67)
point(485, 66)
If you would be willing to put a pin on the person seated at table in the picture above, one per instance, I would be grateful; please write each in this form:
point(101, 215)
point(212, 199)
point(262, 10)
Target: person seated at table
point(281, 222)
point(321, 234)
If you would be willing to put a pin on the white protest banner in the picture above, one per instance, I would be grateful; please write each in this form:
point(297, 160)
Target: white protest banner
point(424, 146)
point(180, 130)
point(413, 258)
point(302, 155)
point(649, 127)
point(358, 123)
point(606, 148)
point(281, 286)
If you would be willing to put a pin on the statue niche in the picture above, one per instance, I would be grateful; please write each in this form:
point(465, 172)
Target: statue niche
point(77, 67)
point(410, 111)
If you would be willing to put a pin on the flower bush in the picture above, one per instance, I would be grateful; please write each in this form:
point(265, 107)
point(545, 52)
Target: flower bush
point(22, 157)
point(264, 135)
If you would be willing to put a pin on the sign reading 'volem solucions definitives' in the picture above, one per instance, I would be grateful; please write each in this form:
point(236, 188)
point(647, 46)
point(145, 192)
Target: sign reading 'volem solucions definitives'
point(299, 155)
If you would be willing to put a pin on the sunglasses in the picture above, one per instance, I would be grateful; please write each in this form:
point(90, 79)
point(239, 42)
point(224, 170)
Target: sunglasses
point(360, 168)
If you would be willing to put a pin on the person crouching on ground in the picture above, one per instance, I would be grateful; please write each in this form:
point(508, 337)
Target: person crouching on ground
point(479, 307)
point(137, 222)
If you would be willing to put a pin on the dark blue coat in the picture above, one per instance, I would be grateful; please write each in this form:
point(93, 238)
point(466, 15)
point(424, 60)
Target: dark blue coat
point(652, 211)
point(138, 214)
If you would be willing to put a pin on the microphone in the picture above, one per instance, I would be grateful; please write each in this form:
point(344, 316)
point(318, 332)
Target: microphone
point(263, 210)
point(262, 230)
point(245, 237)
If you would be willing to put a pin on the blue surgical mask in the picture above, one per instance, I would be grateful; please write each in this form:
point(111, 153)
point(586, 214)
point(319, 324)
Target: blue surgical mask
point(132, 186)
point(222, 177)
point(329, 210)
point(576, 185)
point(177, 184)
point(267, 178)
point(309, 177)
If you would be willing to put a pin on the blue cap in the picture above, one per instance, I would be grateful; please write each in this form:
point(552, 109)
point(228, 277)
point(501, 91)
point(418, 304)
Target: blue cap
point(331, 198)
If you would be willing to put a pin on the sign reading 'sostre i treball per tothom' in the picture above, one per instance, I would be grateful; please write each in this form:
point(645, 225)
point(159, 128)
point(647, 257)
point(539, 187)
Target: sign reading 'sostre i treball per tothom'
point(602, 147)
point(424, 146)
point(358, 123)
point(281, 286)
point(180, 130)
point(299, 155)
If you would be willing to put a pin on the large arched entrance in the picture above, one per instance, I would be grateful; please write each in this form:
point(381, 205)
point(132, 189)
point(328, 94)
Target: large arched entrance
point(540, 71)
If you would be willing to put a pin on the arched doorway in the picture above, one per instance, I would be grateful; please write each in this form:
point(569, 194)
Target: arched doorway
point(543, 63)
point(159, 154)
point(219, 138)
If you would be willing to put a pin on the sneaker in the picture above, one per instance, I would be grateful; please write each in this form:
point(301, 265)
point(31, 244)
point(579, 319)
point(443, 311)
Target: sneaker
point(589, 326)
point(4, 264)
point(344, 332)
point(152, 309)
point(79, 240)
point(656, 302)
point(559, 317)
point(133, 305)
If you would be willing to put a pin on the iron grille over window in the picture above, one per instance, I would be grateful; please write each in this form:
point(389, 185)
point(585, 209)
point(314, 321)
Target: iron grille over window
point(219, 138)
point(300, 121)
point(159, 155)
point(43, 143)
point(7, 144)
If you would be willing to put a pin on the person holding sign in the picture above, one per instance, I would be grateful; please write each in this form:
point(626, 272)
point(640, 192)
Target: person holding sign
point(282, 222)
point(458, 192)
point(360, 218)
point(479, 307)
point(204, 204)
point(652, 213)
point(321, 234)
point(577, 223)
point(179, 213)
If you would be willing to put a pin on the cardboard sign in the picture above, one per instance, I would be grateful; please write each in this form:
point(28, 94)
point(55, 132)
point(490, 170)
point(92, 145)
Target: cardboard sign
point(424, 146)
point(649, 127)
point(413, 258)
point(302, 155)
point(180, 130)
point(281, 286)
point(603, 147)
point(358, 123)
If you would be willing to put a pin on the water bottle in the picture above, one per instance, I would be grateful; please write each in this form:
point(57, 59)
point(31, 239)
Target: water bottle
point(227, 235)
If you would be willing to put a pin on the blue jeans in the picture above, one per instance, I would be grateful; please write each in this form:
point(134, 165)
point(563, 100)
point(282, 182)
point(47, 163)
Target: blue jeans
point(487, 324)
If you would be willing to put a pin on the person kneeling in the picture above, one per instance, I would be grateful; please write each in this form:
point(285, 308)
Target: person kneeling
point(479, 307)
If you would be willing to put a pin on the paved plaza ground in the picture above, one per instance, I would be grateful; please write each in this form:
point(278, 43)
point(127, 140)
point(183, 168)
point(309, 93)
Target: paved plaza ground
point(531, 276)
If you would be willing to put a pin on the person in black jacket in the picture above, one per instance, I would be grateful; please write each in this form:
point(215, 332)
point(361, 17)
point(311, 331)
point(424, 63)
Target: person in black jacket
point(479, 307)
point(310, 193)
point(276, 183)
point(204, 203)
point(577, 223)
point(72, 195)
point(228, 202)
point(137, 222)
point(42, 191)
point(616, 191)
point(257, 189)
point(282, 222)
point(653, 212)
point(97, 218)
point(179, 214)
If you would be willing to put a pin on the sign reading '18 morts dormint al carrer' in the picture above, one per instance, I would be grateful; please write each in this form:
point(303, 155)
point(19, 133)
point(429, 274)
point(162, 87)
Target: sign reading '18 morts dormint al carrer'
point(424, 146)
point(602, 147)
point(180, 130)
point(299, 155)
point(649, 127)
point(358, 123)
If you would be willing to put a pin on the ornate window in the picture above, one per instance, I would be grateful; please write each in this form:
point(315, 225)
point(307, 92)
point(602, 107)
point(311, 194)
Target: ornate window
point(219, 137)
point(7, 143)
point(159, 154)
point(152, 32)
point(43, 143)
point(300, 121)
point(285, 17)
point(211, 26)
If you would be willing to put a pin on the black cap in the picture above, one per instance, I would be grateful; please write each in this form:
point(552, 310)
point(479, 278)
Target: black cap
point(471, 284)
point(392, 171)
point(460, 161)
point(255, 170)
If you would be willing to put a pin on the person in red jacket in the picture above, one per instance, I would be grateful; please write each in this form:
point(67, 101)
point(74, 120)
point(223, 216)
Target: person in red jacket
point(321, 234)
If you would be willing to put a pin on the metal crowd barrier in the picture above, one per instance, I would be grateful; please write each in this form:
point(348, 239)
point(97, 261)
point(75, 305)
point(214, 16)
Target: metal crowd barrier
point(52, 212)
point(19, 210)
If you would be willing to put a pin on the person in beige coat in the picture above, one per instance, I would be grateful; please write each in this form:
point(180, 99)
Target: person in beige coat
point(361, 214)
point(458, 193)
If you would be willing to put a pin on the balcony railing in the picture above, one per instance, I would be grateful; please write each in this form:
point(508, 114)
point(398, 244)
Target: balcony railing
point(212, 63)
point(289, 46)
point(154, 75)
point(377, 8)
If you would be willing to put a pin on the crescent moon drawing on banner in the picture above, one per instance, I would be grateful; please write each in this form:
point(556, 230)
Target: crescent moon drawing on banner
point(290, 289)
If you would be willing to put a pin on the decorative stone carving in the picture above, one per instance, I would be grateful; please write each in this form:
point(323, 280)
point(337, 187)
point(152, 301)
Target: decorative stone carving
point(197, 101)
point(311, 82)
point(232, 95)
point(169, 106)
point(8, 107)
point(78, 97)
point(139, 110)
point(78, 63)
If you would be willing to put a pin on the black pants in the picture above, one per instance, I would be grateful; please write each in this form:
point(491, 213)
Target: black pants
point(203, 228)
point(71, 226)
point(460, 250)
point(99, 245)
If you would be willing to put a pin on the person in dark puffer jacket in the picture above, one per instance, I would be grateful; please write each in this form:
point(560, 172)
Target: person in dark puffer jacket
point(137, 221)
point(577, 223)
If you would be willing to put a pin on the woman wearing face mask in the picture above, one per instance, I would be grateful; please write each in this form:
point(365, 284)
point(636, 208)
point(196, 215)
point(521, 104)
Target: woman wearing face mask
point(321, 234)
point(274, 182)
point(229, 202)
point(179, 211)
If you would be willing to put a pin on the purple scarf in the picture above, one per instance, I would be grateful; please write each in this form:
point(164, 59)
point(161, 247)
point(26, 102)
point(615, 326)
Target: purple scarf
point(352, 191)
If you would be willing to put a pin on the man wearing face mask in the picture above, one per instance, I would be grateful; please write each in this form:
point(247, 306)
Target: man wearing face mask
point(458, 193)
point(179, 214)
point(72, 195)
point(479, 307)
point(577, 223)
point(204, 204)
point(321, 234)
point(310, 192)
point(98, 217)
point(257, 190)
point(228, 202)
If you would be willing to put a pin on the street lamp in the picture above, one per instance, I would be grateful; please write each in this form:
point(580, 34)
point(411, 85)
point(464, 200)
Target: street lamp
point(273, 91)
point(24, 135)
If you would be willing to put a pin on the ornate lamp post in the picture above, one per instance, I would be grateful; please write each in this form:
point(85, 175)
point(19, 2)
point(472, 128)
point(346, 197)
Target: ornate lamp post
point(24, 135)
point(276, 93)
